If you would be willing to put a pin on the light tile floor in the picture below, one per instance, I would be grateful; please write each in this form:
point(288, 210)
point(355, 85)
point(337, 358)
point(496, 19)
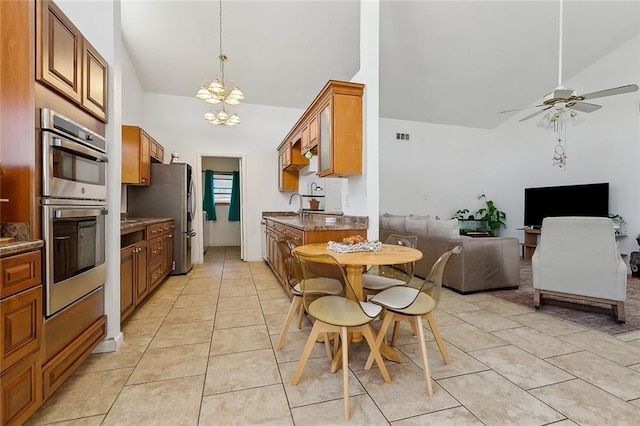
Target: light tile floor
point(200, 351)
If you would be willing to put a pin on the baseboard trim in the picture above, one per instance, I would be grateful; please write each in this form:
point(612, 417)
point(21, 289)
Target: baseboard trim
point(109, 345)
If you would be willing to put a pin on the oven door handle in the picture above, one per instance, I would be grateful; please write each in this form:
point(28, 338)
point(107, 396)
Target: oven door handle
point(79, 148)
point(61, 213)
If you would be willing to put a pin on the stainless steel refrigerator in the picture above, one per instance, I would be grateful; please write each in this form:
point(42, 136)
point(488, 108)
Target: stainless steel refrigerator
point(170, 194)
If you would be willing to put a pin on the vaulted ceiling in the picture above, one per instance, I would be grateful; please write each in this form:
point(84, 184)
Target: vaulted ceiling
point(446, 62)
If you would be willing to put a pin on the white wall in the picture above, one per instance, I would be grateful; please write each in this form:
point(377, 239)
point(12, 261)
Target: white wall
point(439, 170)
point(178, 125)
point(444, 168)
point(221, 232)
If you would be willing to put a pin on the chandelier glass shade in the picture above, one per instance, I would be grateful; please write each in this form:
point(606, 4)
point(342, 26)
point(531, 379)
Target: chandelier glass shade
point(217, 92)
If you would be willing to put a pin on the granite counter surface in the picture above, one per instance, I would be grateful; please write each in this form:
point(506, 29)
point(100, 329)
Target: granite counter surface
point(318, 222)
point(135, 223)
point(17, 247)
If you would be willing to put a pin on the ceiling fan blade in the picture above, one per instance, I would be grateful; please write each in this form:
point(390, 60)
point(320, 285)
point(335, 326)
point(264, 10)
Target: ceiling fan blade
point(563, 93)
point(534, 114)
point(610, 92)
point(585, 107)
point(520, 109)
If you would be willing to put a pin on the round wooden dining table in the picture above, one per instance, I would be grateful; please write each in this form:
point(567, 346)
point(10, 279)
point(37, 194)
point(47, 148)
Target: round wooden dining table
point(391, 254)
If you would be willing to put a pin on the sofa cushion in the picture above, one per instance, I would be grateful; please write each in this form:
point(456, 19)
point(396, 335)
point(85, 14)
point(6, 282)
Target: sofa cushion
point(385, 220)
point(416, 224)
point(443, 228)
point(397, 223)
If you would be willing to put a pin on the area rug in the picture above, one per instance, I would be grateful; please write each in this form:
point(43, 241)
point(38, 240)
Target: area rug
point(565, 309)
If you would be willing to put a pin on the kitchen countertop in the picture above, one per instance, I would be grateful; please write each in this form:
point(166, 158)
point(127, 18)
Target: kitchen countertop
point(17, 247)
point(134, 223)
point(316, 222)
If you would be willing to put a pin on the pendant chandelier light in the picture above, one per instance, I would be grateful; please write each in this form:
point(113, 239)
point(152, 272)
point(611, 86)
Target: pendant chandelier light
point(216, 92)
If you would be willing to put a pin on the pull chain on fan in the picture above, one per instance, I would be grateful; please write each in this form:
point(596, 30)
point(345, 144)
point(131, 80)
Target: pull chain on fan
point(562, 105)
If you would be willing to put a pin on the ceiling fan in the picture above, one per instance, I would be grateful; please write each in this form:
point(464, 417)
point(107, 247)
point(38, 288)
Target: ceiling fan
point(563, 99)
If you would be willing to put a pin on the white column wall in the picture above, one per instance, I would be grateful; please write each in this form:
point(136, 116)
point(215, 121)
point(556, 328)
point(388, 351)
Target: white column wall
point(102, 27)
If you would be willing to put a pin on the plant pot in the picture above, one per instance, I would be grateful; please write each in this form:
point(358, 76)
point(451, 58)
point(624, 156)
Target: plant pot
point(314, 204)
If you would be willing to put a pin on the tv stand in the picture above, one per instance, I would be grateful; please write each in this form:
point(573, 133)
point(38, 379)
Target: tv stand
point(530, 241)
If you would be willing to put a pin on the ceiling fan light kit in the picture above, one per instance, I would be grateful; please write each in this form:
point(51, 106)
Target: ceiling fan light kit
point(214, 92)
point(562, 106)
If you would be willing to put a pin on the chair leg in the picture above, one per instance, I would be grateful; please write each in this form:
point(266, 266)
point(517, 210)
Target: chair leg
point(413, 328)
point(425, 359)
point(388, 317)
point(297, 301)
point(537, 298)
point(436, 334)
point(308, 347)
point(327, 345)
point(394, 335)
point(368, 334)
point(345, 369)
point(301, 314)
point(618, 312)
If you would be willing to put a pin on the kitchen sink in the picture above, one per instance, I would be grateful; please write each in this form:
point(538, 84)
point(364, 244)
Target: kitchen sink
point(126, 221)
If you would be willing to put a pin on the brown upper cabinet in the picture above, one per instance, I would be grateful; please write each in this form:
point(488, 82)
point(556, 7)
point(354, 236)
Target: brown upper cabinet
point(138, 150)
point(331, 128)
point(67, 63)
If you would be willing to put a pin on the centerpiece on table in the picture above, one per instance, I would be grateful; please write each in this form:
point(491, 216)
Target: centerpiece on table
point(354, 243)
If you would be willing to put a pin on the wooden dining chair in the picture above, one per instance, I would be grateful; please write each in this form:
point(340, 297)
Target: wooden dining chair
point(405, 303)
point(383, 277)
point(335, 313)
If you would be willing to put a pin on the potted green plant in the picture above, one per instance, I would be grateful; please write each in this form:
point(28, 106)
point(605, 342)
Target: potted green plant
point(314, 204)
point(462, 214)
point(494, 217)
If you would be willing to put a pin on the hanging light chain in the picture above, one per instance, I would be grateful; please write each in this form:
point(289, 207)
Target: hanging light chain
point(217, 93)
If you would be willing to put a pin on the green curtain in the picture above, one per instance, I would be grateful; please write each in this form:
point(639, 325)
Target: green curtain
point(208, 203)
point(234, 204)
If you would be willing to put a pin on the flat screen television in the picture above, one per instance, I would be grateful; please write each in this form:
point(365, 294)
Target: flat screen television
point(571, 200)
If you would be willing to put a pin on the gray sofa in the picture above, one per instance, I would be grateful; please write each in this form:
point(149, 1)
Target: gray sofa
point(486, 263)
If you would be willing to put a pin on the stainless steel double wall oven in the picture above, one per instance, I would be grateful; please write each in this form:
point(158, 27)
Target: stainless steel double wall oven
point(74, 208)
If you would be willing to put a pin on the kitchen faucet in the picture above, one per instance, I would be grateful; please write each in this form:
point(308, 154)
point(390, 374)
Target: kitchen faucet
point(300, 200)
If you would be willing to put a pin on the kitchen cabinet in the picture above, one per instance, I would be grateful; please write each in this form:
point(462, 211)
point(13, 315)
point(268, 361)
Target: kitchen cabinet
point(146, 258)
point(134, 280)
point(138, 150)
point(332, 128)
point(287, 179)
point(340, 130)
point(310, 134)
point(17, 118)
point(21, 326)
point(67, 63)
point(276, 230)
point(167, 247)
point(94, 81)
point(156, 151)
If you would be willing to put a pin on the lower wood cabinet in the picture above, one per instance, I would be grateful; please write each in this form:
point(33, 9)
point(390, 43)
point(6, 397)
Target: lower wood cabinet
point(276, 231)
point(146, 258)
point(21, 387)
point(21, 340)
point(134, 277)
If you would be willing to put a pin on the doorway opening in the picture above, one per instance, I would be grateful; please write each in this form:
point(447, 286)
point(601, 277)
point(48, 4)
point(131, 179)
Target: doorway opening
point(222, 213)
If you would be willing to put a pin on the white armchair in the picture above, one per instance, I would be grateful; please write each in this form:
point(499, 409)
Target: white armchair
point(577, 258)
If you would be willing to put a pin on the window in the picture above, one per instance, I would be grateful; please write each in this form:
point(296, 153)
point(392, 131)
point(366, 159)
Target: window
point(222, 183)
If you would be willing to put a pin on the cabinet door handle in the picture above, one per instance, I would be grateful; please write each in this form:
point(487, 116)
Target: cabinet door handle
point(66, 237)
